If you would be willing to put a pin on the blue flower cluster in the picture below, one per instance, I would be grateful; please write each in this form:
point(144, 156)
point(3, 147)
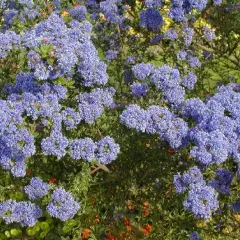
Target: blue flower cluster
point(63, 205)
point(189, 80)
point(208, 33)
point(142, 70)
point(180, 8)
point(60, 48)
point(21, 11)
point(216, 135)
point(153, 3)
point(139, 89)
point(16, 144)
point(8, 40)
point(79, 13)
point(55, 145)
point(151, 19)
point(201, 200)
point(91, 105)
point(171, 34)
point(222, 181)
point(165, 78)
point(104, 151)
point(110, 10)
point(159, 120)
point(25, 213)
point(188, 179)
point(36, 189)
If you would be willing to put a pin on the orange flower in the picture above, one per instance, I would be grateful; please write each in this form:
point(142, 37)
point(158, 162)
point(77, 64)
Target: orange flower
point(130, 205)
point(102, 17)
point(86, 233)
point(146, 209)
point(65, 13)
point(146, 212)
point(28, 171)
point(237, 217)
point(110, 237)
point(129, 228)
point(148, 228)
point(126, 221)
point(145, 232)
point(145, 204)
point(97, 219)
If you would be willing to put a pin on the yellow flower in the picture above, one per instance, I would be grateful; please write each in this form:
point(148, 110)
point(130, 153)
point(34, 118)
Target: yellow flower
point(65, 13)
point(168, 23)
point(201, 22)
point(102, 17)
point(228, 229)
point(201, 223)
point(237, 217)
point(131, 31)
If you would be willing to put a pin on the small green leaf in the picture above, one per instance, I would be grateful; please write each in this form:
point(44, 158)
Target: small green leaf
point(44, 225)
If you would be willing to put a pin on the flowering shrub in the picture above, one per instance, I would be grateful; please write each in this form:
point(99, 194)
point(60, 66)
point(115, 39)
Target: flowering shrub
point(119, 119)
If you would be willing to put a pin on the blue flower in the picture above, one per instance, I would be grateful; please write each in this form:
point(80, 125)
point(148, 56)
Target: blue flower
point(194, 236)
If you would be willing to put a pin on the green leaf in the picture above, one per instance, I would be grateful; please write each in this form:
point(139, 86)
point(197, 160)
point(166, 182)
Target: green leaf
point(15, 232)
point(44, 225)
point(30, 231)
point(50, 61)
point(7, 234)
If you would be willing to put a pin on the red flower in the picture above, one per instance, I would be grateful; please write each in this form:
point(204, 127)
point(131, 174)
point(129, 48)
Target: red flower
point(28, 171)
point(52, 180)
point(170, 150)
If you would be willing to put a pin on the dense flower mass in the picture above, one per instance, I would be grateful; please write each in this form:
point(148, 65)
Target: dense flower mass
point(81, 80)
